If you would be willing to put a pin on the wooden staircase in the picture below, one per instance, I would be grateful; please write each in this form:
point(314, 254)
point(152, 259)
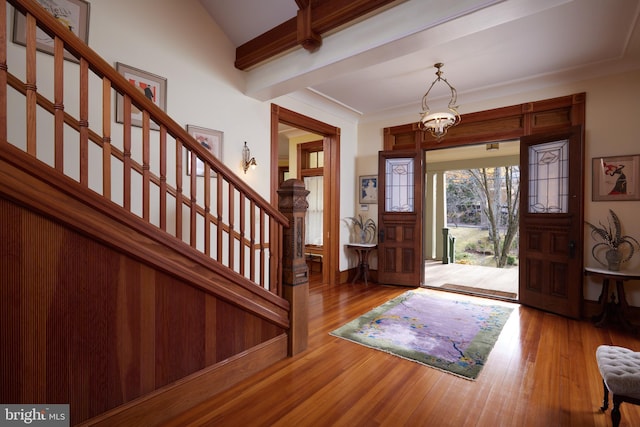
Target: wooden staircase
point(130, 288)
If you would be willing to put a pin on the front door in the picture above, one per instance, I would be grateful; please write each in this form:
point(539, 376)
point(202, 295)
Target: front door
point(400, 197)
point(551, 221)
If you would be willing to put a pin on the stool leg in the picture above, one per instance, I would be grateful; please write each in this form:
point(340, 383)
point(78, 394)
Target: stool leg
point(605, 401)
point(615, 412)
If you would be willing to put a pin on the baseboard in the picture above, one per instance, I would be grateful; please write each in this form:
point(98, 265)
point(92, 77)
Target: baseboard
point(168, 402)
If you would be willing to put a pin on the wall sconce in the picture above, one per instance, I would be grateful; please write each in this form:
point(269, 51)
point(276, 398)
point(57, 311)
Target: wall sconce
point(247, 160)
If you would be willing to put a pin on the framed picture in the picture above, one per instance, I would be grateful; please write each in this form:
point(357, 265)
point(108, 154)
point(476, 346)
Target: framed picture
point(73, 14)
point(616, 178)
point(152, 86)
point(209, 139)
point(368, 189)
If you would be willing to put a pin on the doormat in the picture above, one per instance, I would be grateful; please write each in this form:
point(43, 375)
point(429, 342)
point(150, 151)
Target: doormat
point(482, 291)
point(447, 331)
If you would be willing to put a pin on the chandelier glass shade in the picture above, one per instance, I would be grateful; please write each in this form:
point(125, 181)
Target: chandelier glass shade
point(437, 123)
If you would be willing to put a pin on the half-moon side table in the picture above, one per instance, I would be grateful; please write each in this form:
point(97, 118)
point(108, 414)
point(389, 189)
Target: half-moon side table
point(363, 250)
point(607, 300)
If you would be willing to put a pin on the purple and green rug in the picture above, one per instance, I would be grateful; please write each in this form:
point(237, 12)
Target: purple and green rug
point(450, 332)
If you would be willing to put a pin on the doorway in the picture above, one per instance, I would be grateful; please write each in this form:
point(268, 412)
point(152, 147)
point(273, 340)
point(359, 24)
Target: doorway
point(330, 136)
point(466, 263)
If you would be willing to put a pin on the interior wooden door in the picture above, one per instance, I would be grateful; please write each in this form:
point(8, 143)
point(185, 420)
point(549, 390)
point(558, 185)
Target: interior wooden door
point(401, 180)
point(551, 221)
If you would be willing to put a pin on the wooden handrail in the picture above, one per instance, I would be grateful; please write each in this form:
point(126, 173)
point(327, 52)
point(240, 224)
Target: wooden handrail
point(234, 219)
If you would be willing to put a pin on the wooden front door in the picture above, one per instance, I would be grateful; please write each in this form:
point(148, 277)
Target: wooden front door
point(552, 221)
point(401, 178)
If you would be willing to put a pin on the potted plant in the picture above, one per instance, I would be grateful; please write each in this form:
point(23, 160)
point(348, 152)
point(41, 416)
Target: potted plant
point(365, 229)
point(611, 239)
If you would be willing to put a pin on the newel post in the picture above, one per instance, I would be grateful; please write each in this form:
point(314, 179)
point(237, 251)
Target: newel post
point(295, 275)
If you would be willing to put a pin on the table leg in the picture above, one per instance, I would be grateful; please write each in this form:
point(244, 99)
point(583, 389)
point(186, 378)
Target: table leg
point(359, 267)
point(622, 307)
point(603, 300)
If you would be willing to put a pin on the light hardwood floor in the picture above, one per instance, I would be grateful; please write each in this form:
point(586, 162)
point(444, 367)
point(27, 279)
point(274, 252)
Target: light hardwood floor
point(541, 372)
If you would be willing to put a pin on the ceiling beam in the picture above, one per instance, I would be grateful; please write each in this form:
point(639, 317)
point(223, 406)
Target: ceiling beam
point(317, 18)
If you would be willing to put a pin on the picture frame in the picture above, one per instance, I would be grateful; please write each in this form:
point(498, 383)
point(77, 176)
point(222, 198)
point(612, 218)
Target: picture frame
point(153, 86)
point(73, 14)
point(368, 189)
point(616, 178)
point(210, 139)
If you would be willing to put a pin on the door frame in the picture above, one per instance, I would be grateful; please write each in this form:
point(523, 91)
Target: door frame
point(331, 176)
point(499, 124)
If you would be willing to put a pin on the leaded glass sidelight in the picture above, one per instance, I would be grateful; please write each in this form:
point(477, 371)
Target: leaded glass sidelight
point(549, 177)
point(399, 185)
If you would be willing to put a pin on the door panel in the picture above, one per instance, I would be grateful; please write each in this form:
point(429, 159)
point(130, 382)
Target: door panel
point(551, 221)
point(400, 218)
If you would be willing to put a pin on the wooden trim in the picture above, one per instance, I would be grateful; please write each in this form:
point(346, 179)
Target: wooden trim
point(331, 148)
point(322, 18)
point(498, 124)
point(168, 402)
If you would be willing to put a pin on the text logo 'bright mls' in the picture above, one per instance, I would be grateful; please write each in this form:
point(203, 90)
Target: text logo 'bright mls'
point(40, 415)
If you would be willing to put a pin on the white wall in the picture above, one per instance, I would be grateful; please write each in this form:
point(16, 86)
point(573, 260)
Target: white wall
point(179, 41)
point(604, 136)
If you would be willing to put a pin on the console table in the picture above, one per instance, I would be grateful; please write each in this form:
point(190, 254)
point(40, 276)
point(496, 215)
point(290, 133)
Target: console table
point(363, 250)
point(607, 300)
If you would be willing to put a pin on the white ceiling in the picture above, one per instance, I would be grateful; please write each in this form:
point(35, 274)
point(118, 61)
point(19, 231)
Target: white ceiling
point(490, 48)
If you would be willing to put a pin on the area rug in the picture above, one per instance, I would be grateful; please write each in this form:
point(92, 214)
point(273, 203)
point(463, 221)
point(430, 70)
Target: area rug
point(450, 332)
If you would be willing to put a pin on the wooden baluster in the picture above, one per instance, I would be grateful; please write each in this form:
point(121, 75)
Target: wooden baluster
point(261, 275)
point(84, 122)
point(30, 85)
point(252, 241)
point(126, 111)
point(207, 209)
point(192, 192)
point(232, 212)
point(241, 239)
point(179, 195)
point(106, 138)
point(146, 183)
point(219, 225)
point(163, 178)
point(3, 74)
point(58, 104)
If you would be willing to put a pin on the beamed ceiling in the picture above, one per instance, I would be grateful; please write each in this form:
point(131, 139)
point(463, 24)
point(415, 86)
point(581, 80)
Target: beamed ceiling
point(375, 58)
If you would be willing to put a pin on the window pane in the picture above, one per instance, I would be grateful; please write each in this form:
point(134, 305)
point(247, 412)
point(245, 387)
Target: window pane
point(320, 159)
point(399, 185)
point(313, 218)
point(549, 177)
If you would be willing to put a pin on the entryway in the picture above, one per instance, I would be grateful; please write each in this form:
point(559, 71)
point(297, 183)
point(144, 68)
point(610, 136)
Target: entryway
point(500, 283)
point(453, 206)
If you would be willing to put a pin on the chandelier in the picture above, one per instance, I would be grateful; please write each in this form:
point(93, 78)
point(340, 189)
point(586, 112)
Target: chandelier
point(439, 122)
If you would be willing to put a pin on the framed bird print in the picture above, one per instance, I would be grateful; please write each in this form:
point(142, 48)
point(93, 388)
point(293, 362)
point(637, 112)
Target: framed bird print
point(616, 178)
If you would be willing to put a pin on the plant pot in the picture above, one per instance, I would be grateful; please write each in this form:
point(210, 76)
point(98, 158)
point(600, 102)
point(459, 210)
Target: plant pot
point(614, 258)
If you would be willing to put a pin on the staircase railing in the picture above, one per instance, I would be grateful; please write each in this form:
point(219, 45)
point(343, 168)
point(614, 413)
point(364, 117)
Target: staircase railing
point(150, 173)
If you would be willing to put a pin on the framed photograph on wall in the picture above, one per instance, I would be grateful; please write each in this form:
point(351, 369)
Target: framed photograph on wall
point(209, 139)
point(368, 189)
point(152, 86)
point(73, 14)
point(616, 178)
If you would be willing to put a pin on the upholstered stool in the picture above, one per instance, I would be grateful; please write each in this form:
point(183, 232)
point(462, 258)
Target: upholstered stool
point(620, 370)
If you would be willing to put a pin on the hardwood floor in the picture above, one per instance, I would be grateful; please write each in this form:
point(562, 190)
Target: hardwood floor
point(541, 372)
